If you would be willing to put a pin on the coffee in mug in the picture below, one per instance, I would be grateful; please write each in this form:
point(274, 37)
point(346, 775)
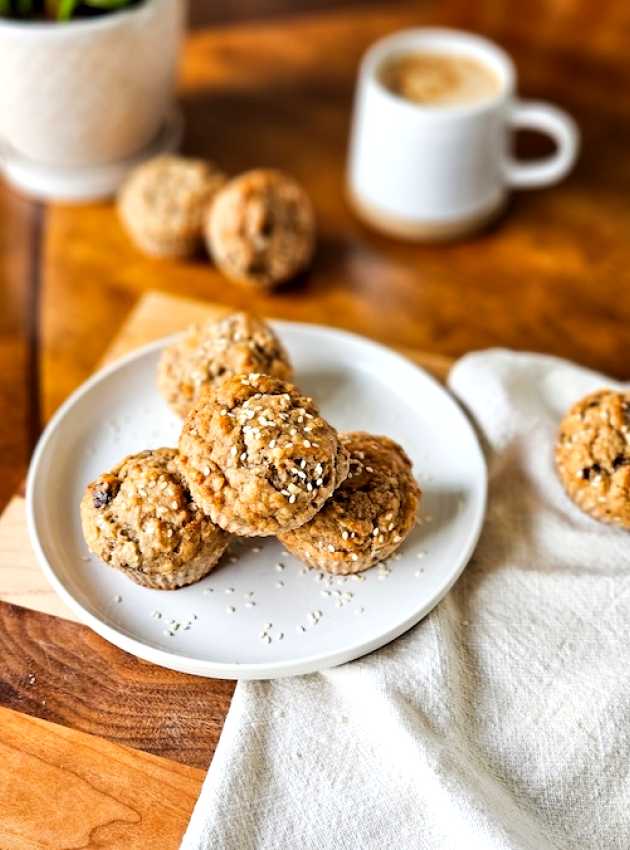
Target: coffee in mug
point(439, 79)
point(431, 146)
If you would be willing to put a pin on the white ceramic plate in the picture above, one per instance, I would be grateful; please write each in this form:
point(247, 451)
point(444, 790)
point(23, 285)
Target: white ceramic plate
point(212, 628)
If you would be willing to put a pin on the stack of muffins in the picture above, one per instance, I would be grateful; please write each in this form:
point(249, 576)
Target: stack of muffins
point(255, 458)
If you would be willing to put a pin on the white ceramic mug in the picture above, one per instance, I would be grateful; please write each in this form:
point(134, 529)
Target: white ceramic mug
point(429, 172)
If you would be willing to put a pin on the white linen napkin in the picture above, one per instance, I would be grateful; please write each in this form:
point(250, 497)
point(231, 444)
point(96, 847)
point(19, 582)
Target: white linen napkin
point(502, 721)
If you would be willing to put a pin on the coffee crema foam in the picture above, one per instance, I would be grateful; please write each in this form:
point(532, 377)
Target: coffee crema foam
point(439, 79)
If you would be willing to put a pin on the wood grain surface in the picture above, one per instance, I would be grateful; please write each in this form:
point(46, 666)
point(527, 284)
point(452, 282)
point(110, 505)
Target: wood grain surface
point(63, 789)
point(551, 276)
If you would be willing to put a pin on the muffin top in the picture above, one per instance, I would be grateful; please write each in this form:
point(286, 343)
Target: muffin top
point(258, 457)
point(593, 455)
point(166, 199)
point(239, 343)
point(368, 516)
point(140, 517)
point(261, 228)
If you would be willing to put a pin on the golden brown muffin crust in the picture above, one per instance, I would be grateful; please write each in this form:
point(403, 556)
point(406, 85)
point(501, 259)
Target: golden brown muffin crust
point(238, 343)
point(593, 455)
point(140, 519)
point(261, 228)
point(258, 457)
point(164, 201)
point(368, 517)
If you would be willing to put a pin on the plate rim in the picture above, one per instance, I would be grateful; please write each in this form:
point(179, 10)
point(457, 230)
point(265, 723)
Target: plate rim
point(250, 670)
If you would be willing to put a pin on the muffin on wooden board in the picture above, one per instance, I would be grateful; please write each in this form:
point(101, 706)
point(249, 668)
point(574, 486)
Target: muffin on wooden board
point(258, 457)
point(260, 229)
point(140, 519)
point(593, 455)
point(238, 343)
point(368, 517)
point(164, 201)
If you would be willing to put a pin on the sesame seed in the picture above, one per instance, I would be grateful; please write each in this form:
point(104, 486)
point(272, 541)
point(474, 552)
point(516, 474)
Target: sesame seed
point(118, 598)
point(229, 590)
point(279, 584)
point(230, 609)
point(279, 567)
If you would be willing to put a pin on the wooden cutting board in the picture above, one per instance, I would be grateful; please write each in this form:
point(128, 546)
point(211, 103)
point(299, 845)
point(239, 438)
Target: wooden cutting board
point(61, 787)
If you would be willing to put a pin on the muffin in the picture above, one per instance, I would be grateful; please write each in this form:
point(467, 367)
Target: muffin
point(261, 229)
point(593, 455)
point(368, 516)
point(258, 457)
point(239, 343)
point(140, 519)
point(164, 201)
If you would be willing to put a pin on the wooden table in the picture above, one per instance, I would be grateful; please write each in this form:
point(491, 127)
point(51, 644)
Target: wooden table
point(552, 276)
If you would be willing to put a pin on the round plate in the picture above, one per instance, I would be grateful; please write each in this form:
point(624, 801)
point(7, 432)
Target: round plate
point(215, 627)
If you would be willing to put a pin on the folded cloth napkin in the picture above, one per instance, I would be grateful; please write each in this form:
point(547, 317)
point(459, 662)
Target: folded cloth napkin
point(500, 721)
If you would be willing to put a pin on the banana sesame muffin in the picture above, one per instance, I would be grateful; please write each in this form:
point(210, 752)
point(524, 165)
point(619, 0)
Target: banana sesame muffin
point(258, 457)
point(261, 228)
point(164, 201)
point(593, 455)
point(368, 516)
point(239, 343)
point(140, 519)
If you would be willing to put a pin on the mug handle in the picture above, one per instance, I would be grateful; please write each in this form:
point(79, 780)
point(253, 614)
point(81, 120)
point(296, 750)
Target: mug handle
point(554, 122)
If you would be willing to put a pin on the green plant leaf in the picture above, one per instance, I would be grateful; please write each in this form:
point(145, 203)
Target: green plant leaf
point(65, 9)
point(107, 4)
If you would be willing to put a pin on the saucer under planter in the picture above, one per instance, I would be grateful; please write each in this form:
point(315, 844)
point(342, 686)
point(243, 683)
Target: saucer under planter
point(82, 98)
point(86, 183)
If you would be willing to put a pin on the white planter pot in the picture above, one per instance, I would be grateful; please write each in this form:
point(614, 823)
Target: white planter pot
point(87, 94)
